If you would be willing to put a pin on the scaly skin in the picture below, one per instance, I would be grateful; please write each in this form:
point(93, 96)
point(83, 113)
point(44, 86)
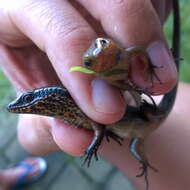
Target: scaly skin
point(137, 123)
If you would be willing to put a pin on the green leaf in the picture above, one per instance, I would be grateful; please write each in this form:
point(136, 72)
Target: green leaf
point(81, 69)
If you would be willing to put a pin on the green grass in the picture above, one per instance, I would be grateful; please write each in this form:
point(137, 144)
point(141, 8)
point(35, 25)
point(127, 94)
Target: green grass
point(4, 85)
point(6, 95)
point(6, 91)
point(185, 39)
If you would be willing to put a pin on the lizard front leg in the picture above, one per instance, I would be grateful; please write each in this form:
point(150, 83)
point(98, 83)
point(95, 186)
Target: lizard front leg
point(100, 132)
point(139, 54)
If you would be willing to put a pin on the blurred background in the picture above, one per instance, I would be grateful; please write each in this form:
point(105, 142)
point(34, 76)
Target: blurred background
point(63, 169)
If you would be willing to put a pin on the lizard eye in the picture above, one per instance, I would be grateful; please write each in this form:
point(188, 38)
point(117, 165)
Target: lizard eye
point(28, 98)
point(103, 42)
point(88, 64)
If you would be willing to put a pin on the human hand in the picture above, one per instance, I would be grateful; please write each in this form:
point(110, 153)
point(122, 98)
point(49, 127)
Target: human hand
point(41, 40)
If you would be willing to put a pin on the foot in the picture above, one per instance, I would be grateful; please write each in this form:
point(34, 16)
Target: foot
point(26, 172)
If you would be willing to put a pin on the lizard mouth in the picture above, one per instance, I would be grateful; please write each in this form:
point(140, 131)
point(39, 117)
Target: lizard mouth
point(14, 108)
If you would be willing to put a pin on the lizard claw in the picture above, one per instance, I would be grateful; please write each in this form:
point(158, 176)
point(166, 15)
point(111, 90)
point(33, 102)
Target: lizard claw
point(89, 154)
point(145, 166)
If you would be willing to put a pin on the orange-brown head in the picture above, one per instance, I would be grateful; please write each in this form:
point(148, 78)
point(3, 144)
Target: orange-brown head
point(102, 55)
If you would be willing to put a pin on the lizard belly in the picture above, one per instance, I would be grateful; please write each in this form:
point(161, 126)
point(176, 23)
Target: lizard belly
point(131, 130)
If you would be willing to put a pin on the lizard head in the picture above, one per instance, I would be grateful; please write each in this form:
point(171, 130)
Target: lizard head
point(101, 55)
point(49, 101)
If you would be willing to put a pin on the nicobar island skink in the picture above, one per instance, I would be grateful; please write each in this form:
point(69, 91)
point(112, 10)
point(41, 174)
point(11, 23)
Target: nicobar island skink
point(137, 123)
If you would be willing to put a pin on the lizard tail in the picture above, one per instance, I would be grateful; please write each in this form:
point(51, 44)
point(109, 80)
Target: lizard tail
point(168, 100)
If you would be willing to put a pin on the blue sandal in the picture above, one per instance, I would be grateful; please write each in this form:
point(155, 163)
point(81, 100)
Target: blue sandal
point(22, 181)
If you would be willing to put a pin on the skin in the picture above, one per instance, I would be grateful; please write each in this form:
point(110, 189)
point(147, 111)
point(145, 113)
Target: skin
point(54, 40)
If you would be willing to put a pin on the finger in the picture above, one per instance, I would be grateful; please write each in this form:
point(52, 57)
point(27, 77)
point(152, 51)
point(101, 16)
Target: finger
point(22, 67)
point(162, 8)
point(59, 30)
point(40, 135)
point(135, 22)
point(34, 135)
point(71, 140)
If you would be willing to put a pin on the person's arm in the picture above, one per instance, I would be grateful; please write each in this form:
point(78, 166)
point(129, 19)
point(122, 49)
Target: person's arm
point(167, 149)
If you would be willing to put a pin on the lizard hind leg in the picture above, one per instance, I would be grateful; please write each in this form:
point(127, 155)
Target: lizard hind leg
point(136, 147)
point(109, 134)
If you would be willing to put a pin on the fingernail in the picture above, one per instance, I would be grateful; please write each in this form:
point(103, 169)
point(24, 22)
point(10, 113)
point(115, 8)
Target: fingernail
point(161, 56)
point(106, 98)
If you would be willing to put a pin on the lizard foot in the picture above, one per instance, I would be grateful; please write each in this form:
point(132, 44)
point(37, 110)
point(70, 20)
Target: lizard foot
point(151, 74)
point(145, 166)
point(89, 154)
point(137, 150)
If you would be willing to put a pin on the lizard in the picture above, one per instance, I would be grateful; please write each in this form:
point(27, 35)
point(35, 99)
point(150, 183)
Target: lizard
point(136, 124)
